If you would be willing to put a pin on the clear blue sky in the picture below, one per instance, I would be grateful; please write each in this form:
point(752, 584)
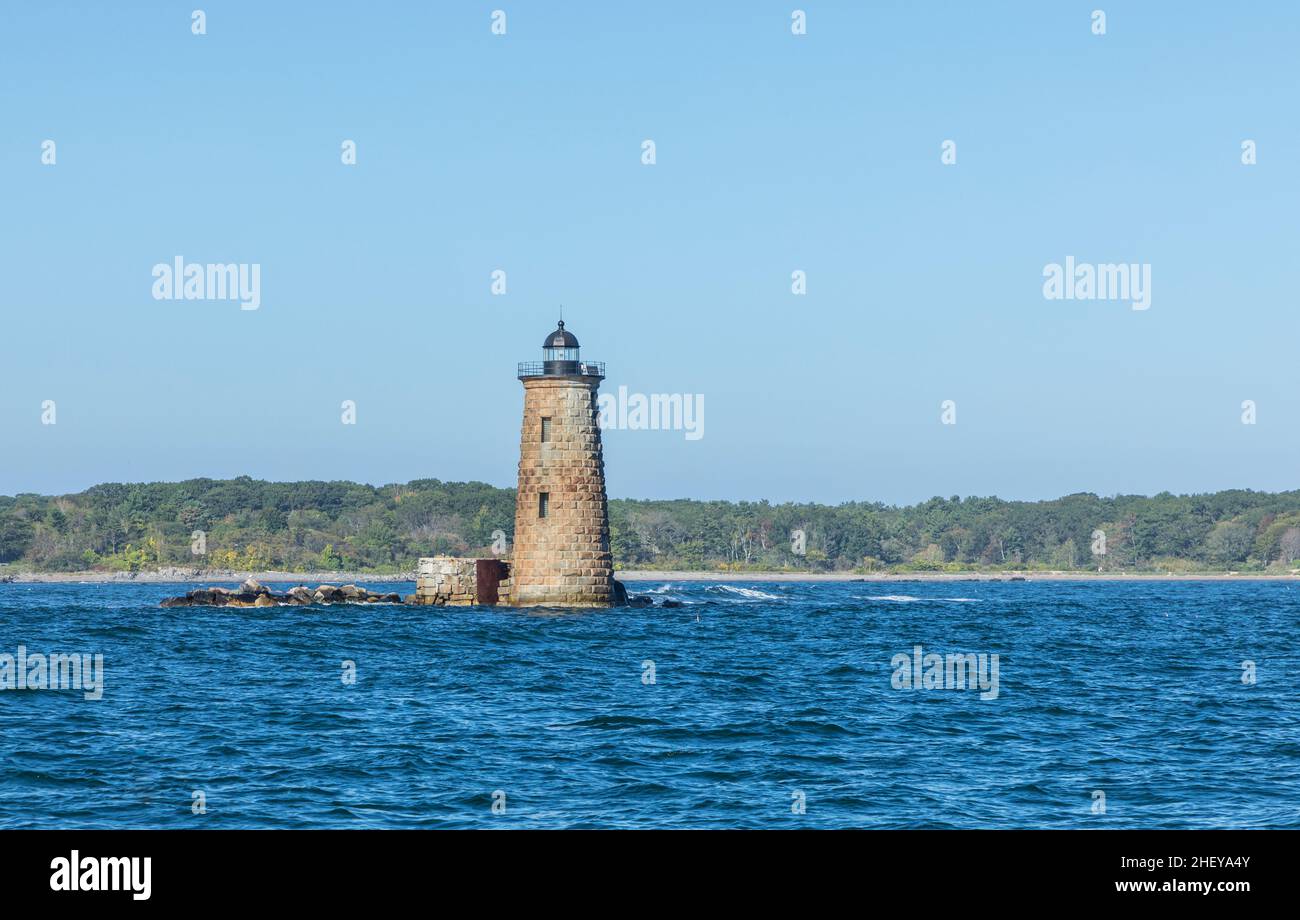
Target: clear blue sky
point(775, 153)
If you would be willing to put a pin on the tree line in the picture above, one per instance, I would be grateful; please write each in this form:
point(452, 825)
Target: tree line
point(248, 524)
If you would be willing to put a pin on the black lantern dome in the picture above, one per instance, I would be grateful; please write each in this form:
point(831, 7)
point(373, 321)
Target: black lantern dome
point(560, 358)
point(561, 338)
point(560, 353)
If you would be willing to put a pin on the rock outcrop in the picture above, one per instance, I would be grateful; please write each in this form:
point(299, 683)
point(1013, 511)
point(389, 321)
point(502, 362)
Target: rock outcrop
point(253, 594)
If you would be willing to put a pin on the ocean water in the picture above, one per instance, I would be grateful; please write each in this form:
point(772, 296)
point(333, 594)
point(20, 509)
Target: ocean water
point(745, 706)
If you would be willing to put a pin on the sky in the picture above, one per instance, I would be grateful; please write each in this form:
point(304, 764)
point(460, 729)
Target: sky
point(774, 152)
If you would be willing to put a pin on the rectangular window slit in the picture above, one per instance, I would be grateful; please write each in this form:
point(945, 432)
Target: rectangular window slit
point(543, 503)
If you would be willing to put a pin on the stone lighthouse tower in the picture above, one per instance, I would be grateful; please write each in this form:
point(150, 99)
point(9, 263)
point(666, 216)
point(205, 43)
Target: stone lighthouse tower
point(561, 553)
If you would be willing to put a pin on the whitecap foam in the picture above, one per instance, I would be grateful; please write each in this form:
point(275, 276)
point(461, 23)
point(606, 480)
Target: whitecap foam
point(751, 593)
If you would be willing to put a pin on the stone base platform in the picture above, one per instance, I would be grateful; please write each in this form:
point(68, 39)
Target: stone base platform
point(451, 581)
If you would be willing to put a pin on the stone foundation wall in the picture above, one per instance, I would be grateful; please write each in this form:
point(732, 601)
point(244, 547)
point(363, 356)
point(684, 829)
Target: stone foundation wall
point(452, 582)
point(563, 559)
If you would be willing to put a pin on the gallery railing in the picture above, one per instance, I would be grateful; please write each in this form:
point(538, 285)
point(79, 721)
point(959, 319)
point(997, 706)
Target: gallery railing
point(561, 369)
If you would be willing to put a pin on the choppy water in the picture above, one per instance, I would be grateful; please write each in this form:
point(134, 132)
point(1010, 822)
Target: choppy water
point(760, 692)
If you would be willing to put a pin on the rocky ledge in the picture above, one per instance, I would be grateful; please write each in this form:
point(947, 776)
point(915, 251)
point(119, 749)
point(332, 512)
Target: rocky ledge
point(642, 600)
point(253, 594)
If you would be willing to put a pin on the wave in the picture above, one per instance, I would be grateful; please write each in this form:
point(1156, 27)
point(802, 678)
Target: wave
point(750, 593)
point(667, 586)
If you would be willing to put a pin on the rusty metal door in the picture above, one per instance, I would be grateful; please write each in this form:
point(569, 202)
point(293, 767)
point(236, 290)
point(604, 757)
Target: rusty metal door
point(488, 574)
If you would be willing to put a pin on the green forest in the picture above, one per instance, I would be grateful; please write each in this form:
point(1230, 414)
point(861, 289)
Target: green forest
point(246, 524)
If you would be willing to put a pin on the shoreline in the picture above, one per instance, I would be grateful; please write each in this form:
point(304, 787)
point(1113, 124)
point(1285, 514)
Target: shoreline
point(179, 577)
point(175, 576)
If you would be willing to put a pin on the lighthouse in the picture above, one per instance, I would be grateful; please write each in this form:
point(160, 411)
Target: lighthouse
point(561, 554)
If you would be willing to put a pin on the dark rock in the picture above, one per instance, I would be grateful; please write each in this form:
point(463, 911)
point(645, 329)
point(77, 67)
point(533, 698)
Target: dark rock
point(299, 595)
point(328, 594)
point(620, 594)
point(672, 603)
point(242, 599)
point(640, 601)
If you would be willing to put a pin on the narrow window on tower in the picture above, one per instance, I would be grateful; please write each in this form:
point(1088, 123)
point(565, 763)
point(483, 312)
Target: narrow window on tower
point(546, 429)
point(543, 503)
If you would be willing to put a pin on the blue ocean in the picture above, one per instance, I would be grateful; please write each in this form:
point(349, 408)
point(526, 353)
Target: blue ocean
point(1115, 705)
